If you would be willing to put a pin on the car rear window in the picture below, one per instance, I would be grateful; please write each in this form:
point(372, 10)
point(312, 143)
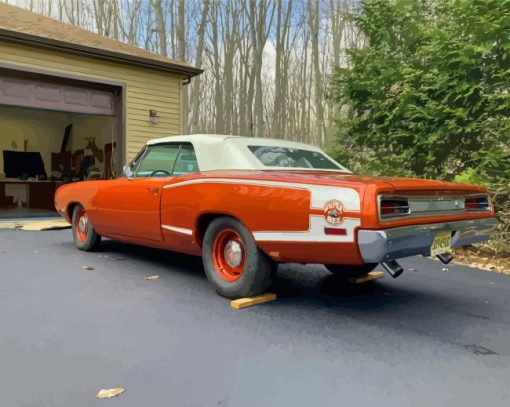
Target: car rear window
point(274, 156)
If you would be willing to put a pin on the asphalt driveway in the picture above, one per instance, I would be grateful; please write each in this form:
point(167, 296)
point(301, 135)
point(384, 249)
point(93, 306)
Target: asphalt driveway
point(428, 338)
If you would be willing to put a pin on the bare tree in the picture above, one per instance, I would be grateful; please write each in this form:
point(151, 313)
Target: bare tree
point(197, 83)
point(284, 13)
point(266, 62)
point(260, 17)
point(129, 19)
point(160, 25)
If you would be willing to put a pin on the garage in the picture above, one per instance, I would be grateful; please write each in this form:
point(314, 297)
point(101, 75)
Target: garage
point(77, 109)
point(54, 131)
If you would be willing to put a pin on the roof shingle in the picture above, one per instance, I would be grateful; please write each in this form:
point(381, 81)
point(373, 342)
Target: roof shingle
point(23, 26)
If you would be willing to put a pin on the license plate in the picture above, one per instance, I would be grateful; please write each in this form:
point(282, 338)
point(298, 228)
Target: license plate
point(441, 244)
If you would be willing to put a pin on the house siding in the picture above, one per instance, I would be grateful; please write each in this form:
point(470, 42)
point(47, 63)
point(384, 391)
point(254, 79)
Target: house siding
point(145, 89)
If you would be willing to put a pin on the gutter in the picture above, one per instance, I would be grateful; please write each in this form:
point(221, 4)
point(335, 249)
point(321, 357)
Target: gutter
point(91, 52)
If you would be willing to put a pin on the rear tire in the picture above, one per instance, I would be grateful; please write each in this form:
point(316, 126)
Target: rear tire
point(84, 235)
point(233, 263)
point(350, 271)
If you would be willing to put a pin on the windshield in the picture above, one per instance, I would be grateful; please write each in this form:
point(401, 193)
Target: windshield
point(273, 156)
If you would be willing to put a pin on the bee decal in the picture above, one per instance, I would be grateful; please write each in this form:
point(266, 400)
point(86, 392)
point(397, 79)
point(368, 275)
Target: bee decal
point(333, 211)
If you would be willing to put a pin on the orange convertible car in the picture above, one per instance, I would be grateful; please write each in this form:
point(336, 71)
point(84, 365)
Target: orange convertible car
point(247, 204)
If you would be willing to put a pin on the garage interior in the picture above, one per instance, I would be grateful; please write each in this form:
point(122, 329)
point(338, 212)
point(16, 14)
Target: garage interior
point(54, 130)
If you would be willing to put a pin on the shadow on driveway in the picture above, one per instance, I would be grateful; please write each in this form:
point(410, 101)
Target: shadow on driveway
point(413, 300)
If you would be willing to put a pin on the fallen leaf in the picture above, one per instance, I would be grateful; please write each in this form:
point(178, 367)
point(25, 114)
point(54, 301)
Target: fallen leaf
point(155, 277)
point(444, 269)
point(108, 393)
point(412, 269)
point(87, 268)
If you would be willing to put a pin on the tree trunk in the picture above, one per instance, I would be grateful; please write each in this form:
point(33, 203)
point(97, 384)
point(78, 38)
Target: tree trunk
point(313, 9)
point(197, 81)
point(181, 56)
point(160, 26)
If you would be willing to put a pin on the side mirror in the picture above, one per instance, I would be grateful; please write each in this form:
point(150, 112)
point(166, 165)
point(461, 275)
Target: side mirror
point(127, 171)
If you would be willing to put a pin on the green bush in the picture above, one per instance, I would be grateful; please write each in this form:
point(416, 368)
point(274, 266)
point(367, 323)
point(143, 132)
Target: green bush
point(501, 197)
point(428, 95)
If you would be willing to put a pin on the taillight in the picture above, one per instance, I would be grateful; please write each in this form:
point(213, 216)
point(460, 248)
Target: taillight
point(335, 231)
point(393, 207)
point(479, 203)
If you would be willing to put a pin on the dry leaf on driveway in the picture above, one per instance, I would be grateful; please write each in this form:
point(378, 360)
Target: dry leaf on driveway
point(87, 268)
point(483, 259)
point(155, 277)
point(107, 393)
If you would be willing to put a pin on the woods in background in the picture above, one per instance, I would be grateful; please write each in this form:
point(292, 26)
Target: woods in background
point(428, 95)
point(267, 63)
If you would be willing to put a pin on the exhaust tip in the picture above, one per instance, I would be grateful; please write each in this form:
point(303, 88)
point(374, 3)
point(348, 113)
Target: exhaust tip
point(393, 268)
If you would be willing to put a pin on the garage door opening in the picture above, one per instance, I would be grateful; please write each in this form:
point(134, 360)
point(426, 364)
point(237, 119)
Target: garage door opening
point(54, 131)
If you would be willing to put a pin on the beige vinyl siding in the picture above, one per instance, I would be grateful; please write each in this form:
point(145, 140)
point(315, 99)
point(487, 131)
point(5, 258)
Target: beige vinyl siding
point(145, 89)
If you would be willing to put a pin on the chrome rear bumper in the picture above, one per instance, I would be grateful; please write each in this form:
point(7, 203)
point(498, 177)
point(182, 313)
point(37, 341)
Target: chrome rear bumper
point(391, 244)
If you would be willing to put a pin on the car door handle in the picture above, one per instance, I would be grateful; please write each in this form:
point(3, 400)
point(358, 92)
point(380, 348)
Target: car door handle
point(154, 190)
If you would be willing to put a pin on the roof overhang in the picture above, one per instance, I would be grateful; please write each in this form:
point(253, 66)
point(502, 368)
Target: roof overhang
point(91, 52)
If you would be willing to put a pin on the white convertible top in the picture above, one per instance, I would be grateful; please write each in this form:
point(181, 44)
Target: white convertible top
point(227, 152)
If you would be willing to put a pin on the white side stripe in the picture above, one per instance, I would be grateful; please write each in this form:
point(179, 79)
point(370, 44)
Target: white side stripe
point(315, 232)
point(178, 230)
point(320, 194)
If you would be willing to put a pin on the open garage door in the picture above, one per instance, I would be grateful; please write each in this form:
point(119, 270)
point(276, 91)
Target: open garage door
point(26, 91)
point(54, 130)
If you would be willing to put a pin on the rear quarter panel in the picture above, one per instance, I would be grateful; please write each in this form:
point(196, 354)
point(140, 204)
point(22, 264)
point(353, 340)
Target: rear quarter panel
point(264, 209)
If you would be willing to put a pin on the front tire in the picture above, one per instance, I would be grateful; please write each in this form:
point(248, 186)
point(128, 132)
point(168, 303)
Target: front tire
point(233, 263)
point(84, 235)
point(350, 271)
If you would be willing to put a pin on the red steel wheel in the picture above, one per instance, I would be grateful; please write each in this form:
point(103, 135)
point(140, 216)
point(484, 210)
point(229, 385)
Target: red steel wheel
point(233, 263)
point(81, 225)
point(84, 235)
point(228, 255)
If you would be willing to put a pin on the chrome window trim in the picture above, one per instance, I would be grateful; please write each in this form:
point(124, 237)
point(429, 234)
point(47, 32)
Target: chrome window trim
point(138, 159)
point(181, 148)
